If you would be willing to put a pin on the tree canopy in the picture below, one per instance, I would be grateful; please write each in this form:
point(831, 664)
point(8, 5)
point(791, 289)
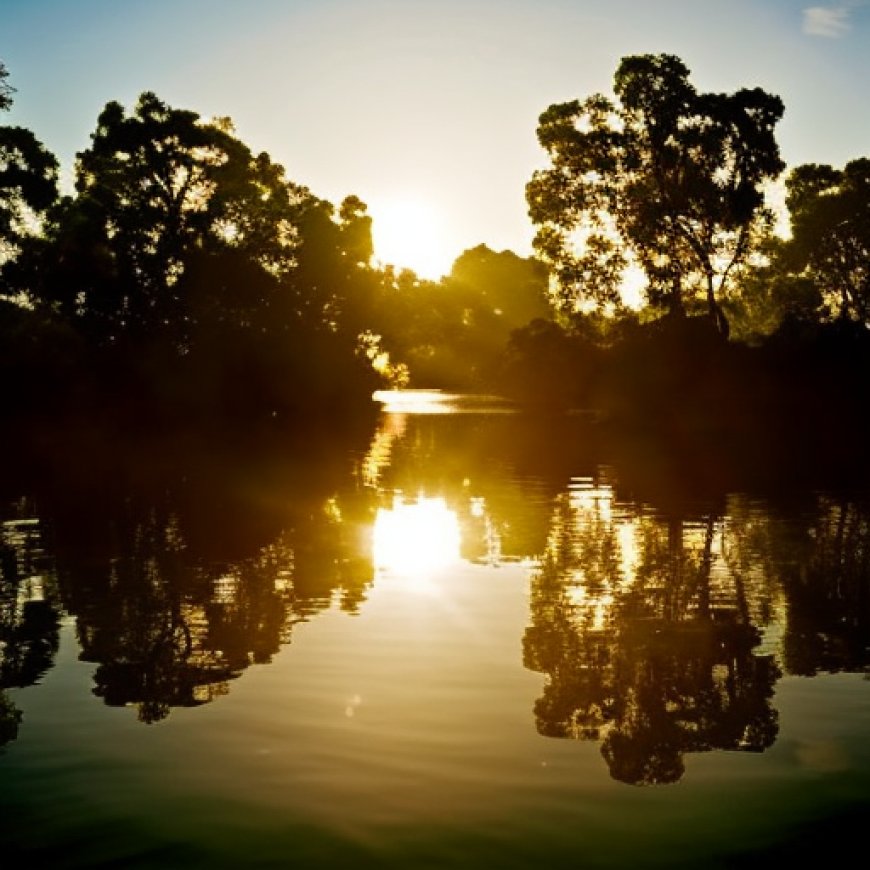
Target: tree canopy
point(830, 241)
point(663, 179)
point(182, 247)
point(513, 287)
point(159, 191)
point(28, 179)
point(186, 268)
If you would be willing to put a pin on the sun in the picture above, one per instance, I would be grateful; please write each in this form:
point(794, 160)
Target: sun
point(409, 233)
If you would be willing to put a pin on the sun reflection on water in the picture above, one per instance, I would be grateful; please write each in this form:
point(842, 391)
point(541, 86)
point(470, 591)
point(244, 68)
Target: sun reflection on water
point(415, 539)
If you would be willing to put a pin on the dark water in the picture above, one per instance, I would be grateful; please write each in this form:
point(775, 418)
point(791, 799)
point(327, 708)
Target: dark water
point(466, 638)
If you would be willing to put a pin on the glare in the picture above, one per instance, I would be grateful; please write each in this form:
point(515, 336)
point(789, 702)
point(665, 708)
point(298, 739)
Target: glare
point(416, 539)
point(629, 550)
point(591, 500)
point(633, 286)
point(409, 233)
point(416, 401)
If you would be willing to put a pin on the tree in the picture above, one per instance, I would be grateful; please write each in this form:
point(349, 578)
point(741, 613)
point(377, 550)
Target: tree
point(177, 224)
point(452, 333)
point(664, 179)
point(157, 189)
point(28, 179)
point(199, 276)
point(331, 283)
point(830, 241)
point(514, 288)
point(6, 90)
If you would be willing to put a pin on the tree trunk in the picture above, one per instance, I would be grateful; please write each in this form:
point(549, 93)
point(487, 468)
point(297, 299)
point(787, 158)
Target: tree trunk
point(716, 313)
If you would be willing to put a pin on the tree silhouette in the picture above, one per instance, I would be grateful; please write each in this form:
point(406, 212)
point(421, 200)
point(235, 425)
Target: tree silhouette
point(830, 239)
point(6, 90)
point(155, 187)
point(513, 287)
point(452, 333)
point(825, 572)
point(664, 178)
point(198, 276)
point(28, 181)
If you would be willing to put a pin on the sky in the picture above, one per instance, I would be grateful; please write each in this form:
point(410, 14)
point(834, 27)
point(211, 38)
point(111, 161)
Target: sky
point(425, 109)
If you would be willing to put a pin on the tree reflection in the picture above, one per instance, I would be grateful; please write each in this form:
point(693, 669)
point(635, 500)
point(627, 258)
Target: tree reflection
point(647, 639)
point(813, 555)
point(179, 586)
point(29, 617)
point(827, 582)
point(660, 631)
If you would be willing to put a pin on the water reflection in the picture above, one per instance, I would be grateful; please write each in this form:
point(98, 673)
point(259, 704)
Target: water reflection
point(182, 572)
point(663, 625)
point(441, 402)
point(417, 538)
point(660, 625)
point(170, 630)
point(825, 572)
point(29, 612)
point(169, 627)
point(649, 639)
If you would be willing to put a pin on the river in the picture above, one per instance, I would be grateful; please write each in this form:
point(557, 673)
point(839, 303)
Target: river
point(468, 637)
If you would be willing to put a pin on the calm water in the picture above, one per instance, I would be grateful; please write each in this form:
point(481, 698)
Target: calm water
point(466, 638)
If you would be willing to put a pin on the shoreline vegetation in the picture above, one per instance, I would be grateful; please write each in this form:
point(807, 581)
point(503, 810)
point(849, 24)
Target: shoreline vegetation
point(188, 286)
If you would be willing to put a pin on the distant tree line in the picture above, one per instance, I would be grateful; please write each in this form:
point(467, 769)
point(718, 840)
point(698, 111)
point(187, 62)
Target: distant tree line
point(186, 273)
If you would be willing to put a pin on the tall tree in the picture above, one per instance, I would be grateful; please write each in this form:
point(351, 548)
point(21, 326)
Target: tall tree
point(180, 243)
point(830, 241)
point(28, 179)
point(159, 188)
point(177, 229)
point(663, 178)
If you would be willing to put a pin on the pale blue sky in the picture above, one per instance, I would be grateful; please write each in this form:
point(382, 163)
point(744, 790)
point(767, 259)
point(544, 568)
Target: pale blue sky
point(434, 101)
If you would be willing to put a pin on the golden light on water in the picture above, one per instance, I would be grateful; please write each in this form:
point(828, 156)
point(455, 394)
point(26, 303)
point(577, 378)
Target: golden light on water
point(416, 539)
point(416, 401)
point(380, 451)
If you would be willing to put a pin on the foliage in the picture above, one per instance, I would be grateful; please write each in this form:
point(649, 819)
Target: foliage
point(514, 288)
point(28, 180)
point(157, 191)
point(664, 178)
point(452, 333)
point(194, 266)
point(6, 90)
point(538, 355)
point(769, 299)
point(188, 271)
point(830, 240)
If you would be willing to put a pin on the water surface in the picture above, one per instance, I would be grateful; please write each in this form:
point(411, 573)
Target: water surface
point(466, 638)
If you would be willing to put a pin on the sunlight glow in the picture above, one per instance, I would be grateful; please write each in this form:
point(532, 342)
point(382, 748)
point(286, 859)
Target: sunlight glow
point(416, 401)
point(408, 233)
point(633, 285)
point(414, 539)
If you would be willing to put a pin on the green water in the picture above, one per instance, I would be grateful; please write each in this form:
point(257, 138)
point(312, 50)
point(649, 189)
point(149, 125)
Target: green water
point(464, 639)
